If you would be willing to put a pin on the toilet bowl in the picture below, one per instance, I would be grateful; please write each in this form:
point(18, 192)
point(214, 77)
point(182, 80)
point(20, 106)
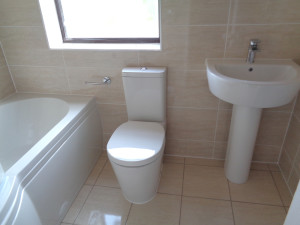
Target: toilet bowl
point(136, 147)
point(135, 151)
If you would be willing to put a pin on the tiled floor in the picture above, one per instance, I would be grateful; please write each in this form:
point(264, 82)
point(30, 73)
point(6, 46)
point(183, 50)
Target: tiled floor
point(191, 191)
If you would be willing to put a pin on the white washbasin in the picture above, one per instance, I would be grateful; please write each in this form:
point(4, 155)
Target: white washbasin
point(263, 84)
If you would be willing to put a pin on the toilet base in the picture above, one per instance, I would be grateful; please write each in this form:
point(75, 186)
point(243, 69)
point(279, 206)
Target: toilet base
point(139, 184)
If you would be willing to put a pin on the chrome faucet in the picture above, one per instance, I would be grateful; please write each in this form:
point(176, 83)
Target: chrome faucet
point(253, 47)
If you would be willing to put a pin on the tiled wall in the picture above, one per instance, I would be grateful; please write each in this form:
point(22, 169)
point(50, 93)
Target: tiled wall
point(192, 30)
point(6, 84)
point(290, 159)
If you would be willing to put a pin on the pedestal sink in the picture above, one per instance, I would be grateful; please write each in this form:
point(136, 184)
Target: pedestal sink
point(249, 87)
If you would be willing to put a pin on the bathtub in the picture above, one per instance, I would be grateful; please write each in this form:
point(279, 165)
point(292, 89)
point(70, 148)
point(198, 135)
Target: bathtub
point(48, 146)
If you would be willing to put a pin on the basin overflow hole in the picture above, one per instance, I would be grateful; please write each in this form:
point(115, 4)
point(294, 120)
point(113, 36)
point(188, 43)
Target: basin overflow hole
point(250, 69)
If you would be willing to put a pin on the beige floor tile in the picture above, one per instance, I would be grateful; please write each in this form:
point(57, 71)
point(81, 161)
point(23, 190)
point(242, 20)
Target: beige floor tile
point(204, 181)
point(107, 177)
point(204, 162)
point(259, 188)
point(200, 211)
point(171, 179)
point(173, 159)
point(250, 214)
point(284, 192)
point(77, 204)
point(104, 206)
point(163, 209)
point(91, 180)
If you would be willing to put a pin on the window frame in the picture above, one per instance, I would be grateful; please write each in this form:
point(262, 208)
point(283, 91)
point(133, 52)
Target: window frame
point(65, 39)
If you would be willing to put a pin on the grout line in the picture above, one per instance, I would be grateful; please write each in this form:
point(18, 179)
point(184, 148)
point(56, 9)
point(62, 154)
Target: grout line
point(227, 29)
point(100, 171)
point(277, 188)
point(83, 202)
point(230, 201)
point(256, 203)
point(287, 128)
point(216, 128)
point(128, 213)
point(286, 179)
point(8, 67)
point(182, 185)
point(138, 58)
point(65, 71)
point(185, 107)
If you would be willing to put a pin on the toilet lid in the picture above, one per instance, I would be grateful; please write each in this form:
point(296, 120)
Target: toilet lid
point(136, 143)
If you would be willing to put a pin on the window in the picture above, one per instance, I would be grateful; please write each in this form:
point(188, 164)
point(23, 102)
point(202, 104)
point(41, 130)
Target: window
point(102, 24)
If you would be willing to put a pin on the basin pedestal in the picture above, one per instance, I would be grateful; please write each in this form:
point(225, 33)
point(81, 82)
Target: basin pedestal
point(243, 130)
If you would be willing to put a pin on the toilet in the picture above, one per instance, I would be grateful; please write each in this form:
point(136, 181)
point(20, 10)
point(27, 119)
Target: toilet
point(136, 148)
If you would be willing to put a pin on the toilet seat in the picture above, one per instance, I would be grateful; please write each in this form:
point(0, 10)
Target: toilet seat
point(136, 143)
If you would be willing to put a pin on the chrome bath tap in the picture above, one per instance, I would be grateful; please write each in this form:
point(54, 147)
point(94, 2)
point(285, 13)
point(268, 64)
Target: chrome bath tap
point(253, 48)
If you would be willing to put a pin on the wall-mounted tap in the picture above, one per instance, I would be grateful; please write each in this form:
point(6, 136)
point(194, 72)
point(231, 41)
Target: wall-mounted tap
point(253, 47)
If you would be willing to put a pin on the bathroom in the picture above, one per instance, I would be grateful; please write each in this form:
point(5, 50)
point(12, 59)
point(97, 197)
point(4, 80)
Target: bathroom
point(197, 122)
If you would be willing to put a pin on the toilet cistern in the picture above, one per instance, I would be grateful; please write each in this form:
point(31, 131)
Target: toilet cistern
point(253, 48)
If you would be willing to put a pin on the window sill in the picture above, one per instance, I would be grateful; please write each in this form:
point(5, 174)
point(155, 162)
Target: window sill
point(146, 47)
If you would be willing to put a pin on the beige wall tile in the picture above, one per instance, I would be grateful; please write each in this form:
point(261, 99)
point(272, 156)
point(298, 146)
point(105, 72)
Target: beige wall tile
point(286, 108)
point(189, 148)
point(193, 124)
point(292, 141)
point(173, 159)
point(224, 105)
point(204, 162)
point(205, 211)
point(297, 108)
point(277, 41)
point(186, 47)
point(259, 166)
point(220, 150)
point(259, 188)
point(2, 58)
point(102, 59)
point(190, 89)
point(28, 46)
point(104, 203)
point(272, 128)
point(204, 181)
point(266, 153)
point(249, 214)
point(223, 125)
point(285, 165)
point(40, 79)
point(266, 11)
point(297, 161)
point(171, 179)
point(106, 138)
point(293, 181)
point(194, 12)
point(112, 116)
point(112, 93)
point(6, 84)
point(20, 13)
point(282, 187)
point(163, 209)
point(274, 167)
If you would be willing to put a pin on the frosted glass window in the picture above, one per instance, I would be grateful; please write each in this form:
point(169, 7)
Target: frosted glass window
point(109, 21)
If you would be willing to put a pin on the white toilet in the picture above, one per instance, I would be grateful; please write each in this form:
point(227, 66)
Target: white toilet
point(136, 148)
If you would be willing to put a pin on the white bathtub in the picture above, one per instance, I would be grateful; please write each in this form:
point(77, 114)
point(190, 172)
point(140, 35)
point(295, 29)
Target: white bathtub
point(48, 146)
